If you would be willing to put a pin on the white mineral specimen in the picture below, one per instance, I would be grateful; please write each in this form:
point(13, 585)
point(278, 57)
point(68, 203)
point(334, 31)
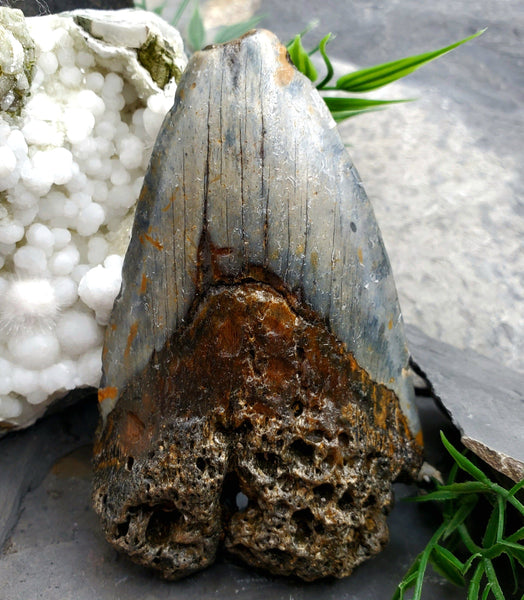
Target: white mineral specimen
point(90, 89)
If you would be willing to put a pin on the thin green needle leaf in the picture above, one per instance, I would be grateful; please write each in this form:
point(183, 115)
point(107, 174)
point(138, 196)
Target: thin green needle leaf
point(447, 564)
point(452, 474)
point(347, 114)
point(467, 539)
point(322, 47)
point(514, 572)
point(492, 578)
point(405, 584)
point(375, 77)
point(195, 30)
point(474, 584)
point(452, 491)
point(516, 487)
point(230, 32)
point(179, 12)
point(508, 496)
point(486, 592)
point(344, 108)
point(340, 104)
point(490, 535)
point(516, 550)
point(495, 550)
point(515, 537)
point(424, 559)
point(460, 515)
point(470, 561)
point(301, 60)
point(517, 558)
point(464, 463)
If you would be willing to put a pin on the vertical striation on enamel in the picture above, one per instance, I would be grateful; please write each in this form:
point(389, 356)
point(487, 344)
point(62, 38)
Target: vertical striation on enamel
point(256, 347)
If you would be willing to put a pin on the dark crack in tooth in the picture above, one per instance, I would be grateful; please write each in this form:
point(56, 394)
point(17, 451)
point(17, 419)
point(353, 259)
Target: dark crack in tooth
point(256, 349)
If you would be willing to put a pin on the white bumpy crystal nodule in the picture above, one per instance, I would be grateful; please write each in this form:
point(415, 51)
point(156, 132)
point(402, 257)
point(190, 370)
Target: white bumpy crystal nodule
point(82, 97)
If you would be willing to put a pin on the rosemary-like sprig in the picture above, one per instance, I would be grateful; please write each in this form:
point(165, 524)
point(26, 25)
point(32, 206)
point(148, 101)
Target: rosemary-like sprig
point(455, 535)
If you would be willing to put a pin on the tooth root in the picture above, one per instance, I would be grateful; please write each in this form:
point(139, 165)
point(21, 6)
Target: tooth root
point(250, 157)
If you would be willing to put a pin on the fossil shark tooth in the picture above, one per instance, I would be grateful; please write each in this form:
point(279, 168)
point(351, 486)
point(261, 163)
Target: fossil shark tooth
point(257, 344)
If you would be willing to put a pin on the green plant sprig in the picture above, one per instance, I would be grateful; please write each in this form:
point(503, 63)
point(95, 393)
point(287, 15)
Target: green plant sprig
point(458, 500)
point(361, 81)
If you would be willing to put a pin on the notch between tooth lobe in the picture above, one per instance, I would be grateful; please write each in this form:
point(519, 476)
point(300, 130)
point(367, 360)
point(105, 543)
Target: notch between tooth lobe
point(249, 156)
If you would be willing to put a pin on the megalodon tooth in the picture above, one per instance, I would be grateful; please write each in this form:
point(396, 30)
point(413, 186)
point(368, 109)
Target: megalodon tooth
point(256, 390)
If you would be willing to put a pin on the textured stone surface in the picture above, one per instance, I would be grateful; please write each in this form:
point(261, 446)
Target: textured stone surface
point(252, 398)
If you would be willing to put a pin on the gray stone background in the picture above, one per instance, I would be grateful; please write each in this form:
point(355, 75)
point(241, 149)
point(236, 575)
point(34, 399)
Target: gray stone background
point(444, 173)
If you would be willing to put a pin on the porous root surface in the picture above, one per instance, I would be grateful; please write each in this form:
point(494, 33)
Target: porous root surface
point(255, 429)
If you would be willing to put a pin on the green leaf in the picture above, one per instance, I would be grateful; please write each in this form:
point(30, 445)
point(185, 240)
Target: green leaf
point(495, 526)
point(195, 30)
point(486, 592)
point(447, 564)
point(452, 491)
point(516, 487)
point(405, 584)
point(514, 572)
point(515, 537)
point(464, 463)
point(467, 539)
point(301, 60)
point(231, 32)
point(470, 561)
point(452, 474)
point(327, 62)
point(495, 550)
point(515, 550)
point(492, 578)
point(375, 77)
point(474, 584)
point(179, 12)
point(424, 559)
point(341, 104)
point(460, 515)
point(344, 108)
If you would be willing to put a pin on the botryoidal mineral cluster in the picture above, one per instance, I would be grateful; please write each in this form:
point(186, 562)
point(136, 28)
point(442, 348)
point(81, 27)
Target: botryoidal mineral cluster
point(82, 97)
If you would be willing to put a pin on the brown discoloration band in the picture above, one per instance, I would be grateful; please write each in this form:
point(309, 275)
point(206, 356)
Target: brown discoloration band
point(252, 396)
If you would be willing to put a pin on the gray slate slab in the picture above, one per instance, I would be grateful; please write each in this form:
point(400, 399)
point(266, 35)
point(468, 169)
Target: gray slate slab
point(484, 399)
